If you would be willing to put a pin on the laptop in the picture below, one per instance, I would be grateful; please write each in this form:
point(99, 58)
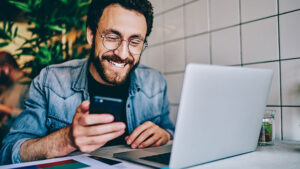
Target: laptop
point(220, 116)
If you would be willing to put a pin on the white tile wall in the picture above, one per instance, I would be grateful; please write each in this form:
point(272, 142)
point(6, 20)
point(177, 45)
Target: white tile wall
point(290, 79)
point(197, 49)
point(158, 30)
point(226, 46)
point(157, 6)
point(288, 5)
point(254, 9)
point(174, 24)
point(291, 123)
point(196, 17)
point(223, 45)
point(175, 82)
point(290, 35)
point(155, 57)
point(274, 97)
point(260, 41)
point(174, 56)
point(224, 13)
point(186, 1)
point(169, 4)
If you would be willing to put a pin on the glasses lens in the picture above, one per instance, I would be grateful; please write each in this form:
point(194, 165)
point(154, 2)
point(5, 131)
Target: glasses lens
point(111, 41)
point(136, 46)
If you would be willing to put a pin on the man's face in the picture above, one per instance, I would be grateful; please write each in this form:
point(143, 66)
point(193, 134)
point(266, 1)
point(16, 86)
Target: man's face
point(114, 66)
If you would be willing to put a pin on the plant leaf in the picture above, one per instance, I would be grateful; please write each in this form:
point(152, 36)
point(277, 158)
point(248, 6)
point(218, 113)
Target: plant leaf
point(20, 5)
point(64, 1)
point(55, 28)
point(16, 32)
point(3, 35)
point(2, 44)
point(82, 4)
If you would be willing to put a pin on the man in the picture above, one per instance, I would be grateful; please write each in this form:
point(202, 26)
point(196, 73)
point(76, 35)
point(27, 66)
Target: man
point(52, 126)
point(13, 92)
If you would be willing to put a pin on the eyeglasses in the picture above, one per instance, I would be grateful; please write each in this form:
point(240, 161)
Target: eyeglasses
point(113, 41)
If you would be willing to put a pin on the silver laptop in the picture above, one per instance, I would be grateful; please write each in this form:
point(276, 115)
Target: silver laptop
point(220, 115)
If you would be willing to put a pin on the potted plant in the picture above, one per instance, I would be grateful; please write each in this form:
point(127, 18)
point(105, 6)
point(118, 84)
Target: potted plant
point(57, 30)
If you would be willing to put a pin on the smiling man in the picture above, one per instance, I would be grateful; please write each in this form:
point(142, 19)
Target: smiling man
point(57, 121)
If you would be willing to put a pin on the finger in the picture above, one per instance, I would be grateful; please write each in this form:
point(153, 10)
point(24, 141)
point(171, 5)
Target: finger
point(83, 107)
point(98, 140)
point(159, 142)
point(150, 141)
point(105, 128)
point(93, 119)
point(138, 131)
point(126, 138)
point(143, 136)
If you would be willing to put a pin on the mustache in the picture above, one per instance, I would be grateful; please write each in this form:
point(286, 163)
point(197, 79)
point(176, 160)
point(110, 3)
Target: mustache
point(116, 58)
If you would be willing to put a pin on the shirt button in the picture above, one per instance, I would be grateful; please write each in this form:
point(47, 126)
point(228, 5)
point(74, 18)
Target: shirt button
point(52, 126)
point(138, 89)
point(128, 105)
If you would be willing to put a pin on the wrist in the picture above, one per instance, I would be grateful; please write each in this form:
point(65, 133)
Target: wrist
point(60, 143)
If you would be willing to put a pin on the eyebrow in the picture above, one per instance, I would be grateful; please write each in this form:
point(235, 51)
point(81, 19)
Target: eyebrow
point(139, 36)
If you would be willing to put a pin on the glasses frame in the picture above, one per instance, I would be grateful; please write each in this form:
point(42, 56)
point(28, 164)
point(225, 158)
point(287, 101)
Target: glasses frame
point(145, 44)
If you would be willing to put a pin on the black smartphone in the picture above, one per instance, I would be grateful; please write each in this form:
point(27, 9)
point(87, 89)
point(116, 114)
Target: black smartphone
point(99, 104)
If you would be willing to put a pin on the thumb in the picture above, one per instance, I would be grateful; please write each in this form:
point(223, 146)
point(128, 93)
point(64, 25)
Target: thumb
point(84, 107)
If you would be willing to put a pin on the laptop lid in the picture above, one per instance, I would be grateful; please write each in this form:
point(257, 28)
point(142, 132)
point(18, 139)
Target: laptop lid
point(220, 113)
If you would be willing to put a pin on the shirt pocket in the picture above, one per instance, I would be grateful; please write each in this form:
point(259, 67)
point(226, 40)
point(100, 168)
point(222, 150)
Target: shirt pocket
point(61, 110)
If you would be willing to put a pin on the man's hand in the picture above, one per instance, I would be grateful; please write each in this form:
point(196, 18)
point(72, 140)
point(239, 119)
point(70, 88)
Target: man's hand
point(148, 134)
point(91, 131)
point(88, 132)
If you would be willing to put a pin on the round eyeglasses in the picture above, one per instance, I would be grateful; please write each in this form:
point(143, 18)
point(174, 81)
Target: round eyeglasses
point(113, 41)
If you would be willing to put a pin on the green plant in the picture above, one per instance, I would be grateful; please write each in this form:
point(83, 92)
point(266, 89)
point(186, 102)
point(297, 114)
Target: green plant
point(57, 28)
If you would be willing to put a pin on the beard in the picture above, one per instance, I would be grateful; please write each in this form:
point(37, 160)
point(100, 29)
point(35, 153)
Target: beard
point(111, 77)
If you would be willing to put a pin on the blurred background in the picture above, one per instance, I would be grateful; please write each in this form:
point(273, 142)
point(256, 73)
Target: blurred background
point(244, 33)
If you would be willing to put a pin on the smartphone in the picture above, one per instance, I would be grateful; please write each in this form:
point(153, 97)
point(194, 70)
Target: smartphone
point(99, 104)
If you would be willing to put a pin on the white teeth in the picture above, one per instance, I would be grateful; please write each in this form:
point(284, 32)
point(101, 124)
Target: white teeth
point(117, 64)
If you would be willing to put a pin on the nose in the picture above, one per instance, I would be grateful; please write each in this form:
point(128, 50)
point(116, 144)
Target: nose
point(122, 51)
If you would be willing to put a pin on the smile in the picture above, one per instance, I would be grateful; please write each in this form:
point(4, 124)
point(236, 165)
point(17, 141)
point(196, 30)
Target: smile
point(121, 65)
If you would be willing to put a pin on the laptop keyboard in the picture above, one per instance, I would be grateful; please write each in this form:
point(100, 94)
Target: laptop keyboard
point(160, 158)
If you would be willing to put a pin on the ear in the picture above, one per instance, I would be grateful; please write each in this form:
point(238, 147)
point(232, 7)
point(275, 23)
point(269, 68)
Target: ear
point(89, 36)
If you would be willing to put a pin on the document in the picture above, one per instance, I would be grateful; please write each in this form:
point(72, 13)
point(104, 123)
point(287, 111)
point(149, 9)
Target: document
point(83, 161)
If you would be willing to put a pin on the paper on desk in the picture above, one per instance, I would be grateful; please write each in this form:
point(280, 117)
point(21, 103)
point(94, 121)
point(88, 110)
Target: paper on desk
point(72, 162)
point(84, 161)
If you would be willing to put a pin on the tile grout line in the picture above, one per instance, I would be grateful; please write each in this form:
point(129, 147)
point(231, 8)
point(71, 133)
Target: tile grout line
point(241, 42)
point(280, 70)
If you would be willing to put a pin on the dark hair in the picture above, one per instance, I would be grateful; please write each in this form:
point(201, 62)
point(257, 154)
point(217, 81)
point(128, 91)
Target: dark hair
point(97, 7)
point(7, 58)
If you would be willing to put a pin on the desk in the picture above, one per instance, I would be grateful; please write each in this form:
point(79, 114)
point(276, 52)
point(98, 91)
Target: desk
point(283, 155)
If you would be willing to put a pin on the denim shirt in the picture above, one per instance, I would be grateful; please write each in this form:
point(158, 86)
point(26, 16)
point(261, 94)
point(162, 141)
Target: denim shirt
point(55, 94)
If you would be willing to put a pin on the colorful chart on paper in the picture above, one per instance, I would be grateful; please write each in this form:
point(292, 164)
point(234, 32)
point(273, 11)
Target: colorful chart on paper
point(66, 164)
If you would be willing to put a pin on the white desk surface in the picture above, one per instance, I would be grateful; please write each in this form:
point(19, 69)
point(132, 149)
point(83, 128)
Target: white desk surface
point(283, 155)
